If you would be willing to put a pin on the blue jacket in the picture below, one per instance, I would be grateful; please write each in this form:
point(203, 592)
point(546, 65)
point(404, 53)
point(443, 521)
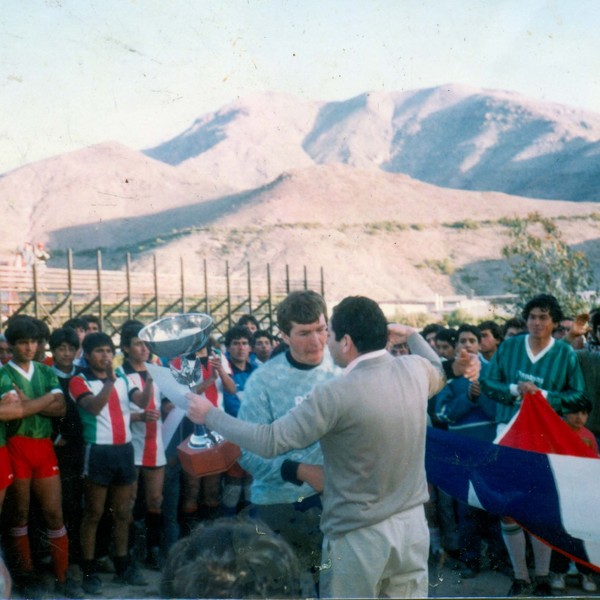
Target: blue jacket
point(475, 418)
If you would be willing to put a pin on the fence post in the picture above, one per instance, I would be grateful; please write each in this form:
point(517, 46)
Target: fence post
point(128, 276)
point(156, 307)
point(99, 282)
point(287, 279)
point(205, 287)
point(70, 280)
point(182, 284)
point(228, 294)
point(305, 278)
point(36, 307)
point(322, 283)
point(269, 299)
point(249, 276)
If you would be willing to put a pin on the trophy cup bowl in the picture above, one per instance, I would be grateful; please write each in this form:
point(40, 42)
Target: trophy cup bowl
point(179, 335)
point(177, 339)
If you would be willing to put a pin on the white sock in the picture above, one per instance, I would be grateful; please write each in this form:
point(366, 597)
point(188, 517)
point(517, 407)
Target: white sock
point(514, 539)
point(542, 554)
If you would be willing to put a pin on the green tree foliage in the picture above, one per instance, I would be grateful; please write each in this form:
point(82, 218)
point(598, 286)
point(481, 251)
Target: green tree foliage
point(542, 262)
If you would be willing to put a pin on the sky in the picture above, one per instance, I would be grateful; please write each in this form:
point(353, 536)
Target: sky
point(79, 72)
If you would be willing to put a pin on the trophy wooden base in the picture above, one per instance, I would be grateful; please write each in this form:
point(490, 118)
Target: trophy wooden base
point(207, 461)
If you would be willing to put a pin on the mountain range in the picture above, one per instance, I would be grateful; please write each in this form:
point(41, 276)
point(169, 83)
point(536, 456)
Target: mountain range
point(373, 188)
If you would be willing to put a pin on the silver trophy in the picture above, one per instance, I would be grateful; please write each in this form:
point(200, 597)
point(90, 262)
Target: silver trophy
point(178, 339)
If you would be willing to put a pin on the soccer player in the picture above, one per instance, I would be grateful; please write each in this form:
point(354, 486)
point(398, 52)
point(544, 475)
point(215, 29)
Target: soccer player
point(109, 470)
point(33, 459)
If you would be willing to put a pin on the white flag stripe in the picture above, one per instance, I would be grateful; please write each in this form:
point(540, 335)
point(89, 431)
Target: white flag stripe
point(578, 486)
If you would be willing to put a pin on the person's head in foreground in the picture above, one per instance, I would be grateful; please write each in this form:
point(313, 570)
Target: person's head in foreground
point(231, 559)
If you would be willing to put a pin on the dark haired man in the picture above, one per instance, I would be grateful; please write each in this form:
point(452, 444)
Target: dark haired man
point(429, 332)
point(237, 343)
point(236, 481)
point(249, 322)
point(445, 343)
point(262, 346)
point(513, 327)
point(80, 326)
point(527, 364)
point(376, 538)
point(93, 323)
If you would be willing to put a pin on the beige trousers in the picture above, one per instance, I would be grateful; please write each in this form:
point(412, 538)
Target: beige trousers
point(385, 560)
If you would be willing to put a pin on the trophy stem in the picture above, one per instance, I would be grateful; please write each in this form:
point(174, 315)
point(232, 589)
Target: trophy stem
point(201, 438)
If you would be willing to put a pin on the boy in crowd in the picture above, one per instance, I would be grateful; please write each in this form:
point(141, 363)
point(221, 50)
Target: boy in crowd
point(527, 364)
point(149, 452)
point(93, 323)
point(109, 468)
point(33, 459)
point(262, 346)
point(236, 482)
point(512, 327)
point(468, 411)
point(575, 417)
point(68, 434)
point(445, 343)
point(81, 329)
point(429, 332)
point(249, 322)
point(5, 353)
point(491, 338)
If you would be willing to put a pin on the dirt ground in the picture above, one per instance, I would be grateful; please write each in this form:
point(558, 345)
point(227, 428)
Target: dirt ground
point(444, 582)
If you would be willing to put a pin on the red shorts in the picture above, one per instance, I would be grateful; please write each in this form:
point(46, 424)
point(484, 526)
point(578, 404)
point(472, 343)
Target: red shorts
point(32, 458)
point(6, 474)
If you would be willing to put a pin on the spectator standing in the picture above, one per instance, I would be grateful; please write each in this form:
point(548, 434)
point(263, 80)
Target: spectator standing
point(527, 364)
point(491, 338)
point(236, 481)
point(467, 411)
point(262, 346)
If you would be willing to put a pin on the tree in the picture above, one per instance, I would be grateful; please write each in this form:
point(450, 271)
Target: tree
point(542, 262)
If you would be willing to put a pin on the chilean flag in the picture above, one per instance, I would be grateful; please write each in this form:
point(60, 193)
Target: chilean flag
point(539, 472)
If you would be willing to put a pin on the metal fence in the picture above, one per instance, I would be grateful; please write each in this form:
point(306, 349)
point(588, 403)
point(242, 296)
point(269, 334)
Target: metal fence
point(58, 294)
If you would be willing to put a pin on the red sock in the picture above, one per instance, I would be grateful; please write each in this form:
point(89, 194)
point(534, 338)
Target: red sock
point(19, 540)
point(59, 551)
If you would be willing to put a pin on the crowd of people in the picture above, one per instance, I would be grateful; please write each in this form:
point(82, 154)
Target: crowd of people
point(329, 495)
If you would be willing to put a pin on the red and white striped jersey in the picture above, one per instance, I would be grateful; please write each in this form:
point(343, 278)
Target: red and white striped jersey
point(146, 436)
point(111, 425)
